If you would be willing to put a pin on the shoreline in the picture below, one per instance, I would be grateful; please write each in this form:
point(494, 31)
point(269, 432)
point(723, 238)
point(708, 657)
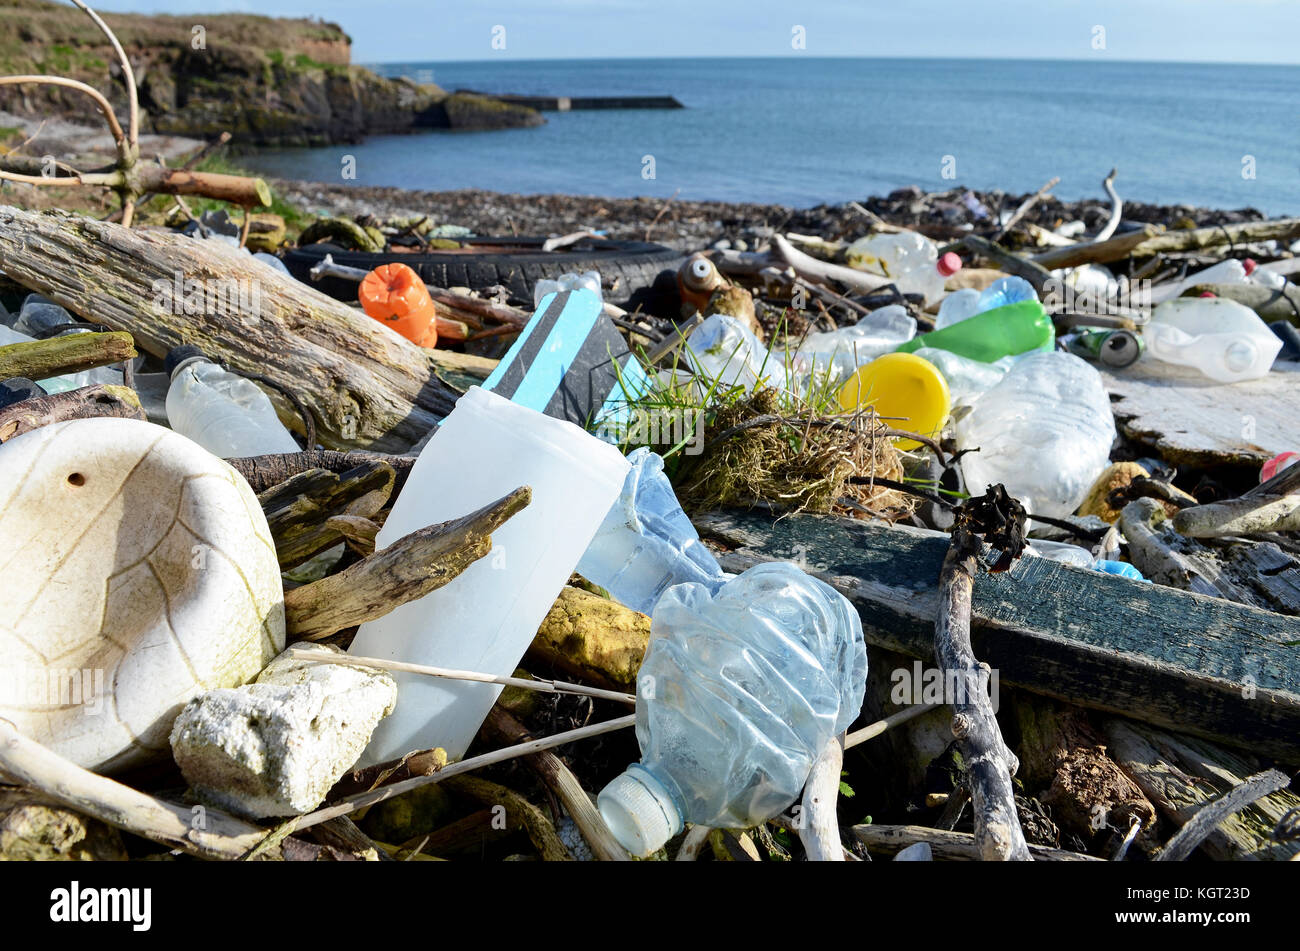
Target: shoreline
point(690, 224)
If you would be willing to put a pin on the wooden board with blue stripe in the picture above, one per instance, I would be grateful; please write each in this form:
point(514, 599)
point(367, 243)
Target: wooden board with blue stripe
point(570, 362)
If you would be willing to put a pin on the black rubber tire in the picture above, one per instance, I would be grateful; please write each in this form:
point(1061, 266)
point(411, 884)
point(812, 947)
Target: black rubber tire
point(643, 275)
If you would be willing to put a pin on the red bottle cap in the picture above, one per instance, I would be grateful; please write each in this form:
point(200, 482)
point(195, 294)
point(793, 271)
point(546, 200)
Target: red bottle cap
point(1209, 294)
point(1250, 264)
point(949, 264)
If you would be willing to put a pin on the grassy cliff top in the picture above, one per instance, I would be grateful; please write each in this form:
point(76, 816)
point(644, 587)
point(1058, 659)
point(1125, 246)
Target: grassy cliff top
point(43, 36)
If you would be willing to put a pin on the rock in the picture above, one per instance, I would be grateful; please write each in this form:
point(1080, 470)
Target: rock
point(593, 639)
point(34, 830)
point(140, 572)
point(277, 746)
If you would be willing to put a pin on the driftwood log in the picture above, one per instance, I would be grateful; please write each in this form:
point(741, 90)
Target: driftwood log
point(266, 472)
point(946, 846)
point(988, 762)
point(102, 399)
point(1145, 243)
point(1273, 506)
point(1250, 790)
point(72, 353)
point(366, 386)
point(407, 569)
point(297, 510)
point(1182, 775)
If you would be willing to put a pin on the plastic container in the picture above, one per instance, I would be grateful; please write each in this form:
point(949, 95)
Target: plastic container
point(697, 279)
point(739, 693)
point(966, 303)
point(394, 295)
point(907, 390)
point(1225, 340)
point(839, 353)
point(910, 260)
point(646, 544)
point(223, 412)
point(567, 282)
point(993, 334)
point(1044, 431)
point(485, 618)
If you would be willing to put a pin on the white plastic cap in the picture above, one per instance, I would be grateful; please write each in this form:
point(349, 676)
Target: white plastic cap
point(639, 811)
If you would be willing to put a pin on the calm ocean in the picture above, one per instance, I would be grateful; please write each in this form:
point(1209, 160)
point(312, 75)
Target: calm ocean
point(805, 131)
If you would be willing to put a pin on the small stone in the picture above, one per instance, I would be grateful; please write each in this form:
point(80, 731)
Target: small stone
point(32, 830)
point(276, 747)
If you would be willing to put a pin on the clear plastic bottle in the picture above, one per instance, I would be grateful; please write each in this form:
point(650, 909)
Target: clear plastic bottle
point(646, 544)
point(1225, 340)
point(223, 412)
point(1230, 271)
point(724, 351)
point(839, 353)
point(485, 618)
point(567, 282)
point(964, 304)
point(739, 693)
point(1044, 431)
point(908, 259)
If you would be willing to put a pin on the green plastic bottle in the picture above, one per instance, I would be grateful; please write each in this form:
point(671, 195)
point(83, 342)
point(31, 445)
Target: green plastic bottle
point(993, 334)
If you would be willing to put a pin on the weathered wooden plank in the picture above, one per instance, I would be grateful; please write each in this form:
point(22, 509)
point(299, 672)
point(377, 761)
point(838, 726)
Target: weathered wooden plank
point(1197, 664)
point(1192, 421)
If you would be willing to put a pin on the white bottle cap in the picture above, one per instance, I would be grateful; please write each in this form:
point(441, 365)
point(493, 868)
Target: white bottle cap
point(639, 811)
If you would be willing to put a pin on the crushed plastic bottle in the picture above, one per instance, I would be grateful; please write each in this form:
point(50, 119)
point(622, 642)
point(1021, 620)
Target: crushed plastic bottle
point(839, 353)
point(223, 412)
point(739, 692)
point(646, 544)
point(568, 281)
point(1225, 340)
point(967, 379)
point(1044, 431)
point(910, 260)
point(724, 351)
point(1082, 558)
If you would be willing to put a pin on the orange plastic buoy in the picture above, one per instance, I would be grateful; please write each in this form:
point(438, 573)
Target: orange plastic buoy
point(394, 295)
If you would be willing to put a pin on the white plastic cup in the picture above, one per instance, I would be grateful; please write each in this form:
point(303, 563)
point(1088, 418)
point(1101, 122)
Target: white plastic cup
point(485, 618)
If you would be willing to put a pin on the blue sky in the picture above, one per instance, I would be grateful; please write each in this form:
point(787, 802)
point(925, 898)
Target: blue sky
point(1249, 31)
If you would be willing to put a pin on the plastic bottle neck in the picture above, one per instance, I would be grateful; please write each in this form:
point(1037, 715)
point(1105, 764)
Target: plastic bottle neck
point(640, 810)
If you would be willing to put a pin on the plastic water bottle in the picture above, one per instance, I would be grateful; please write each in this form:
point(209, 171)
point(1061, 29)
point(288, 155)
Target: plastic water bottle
point(1044, 431)
point(966, 303)
point(1225, 340)
point(567, 282)
point(223, 412)
point(1082, 558)
point(967, 379)
point(908, 259)
point(485, 618)
point(739, 692)
point(646, 544)
point(839, 353)
point(724, 351)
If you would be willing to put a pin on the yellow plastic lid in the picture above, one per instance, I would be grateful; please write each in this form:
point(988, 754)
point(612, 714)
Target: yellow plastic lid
point(904, 386)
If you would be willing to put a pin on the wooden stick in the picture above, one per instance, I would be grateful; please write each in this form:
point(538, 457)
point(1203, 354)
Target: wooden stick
point(1190, 836)
point(812, 269)
point(370, 798)
point(1025, 206)
point(989, 763)
point(951, 846)
point(559, 779)
point(519, 811)
point(874, 730)
point(102, 399)
point(696, 838)
point(100, 103)
point(71, 353)
point(447, 673)
point(820, 829)
point(366, 386)
point(216, 836)
point(406, 570)
point(1096, 252)
point(128, 76)
point(266, 472)
point(1273, 506)
point(1116, 208)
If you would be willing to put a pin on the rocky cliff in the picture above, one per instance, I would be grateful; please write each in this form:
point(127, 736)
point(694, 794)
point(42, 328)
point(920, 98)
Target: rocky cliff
point(266, 81)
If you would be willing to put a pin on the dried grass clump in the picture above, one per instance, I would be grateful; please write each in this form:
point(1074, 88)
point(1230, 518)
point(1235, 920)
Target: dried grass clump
point(757, 455)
